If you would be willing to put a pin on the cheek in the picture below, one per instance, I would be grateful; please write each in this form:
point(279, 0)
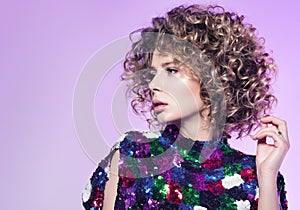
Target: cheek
point(180, 89)
point(184, 93)
point(184, 104)
point(195, 91)
point(188, 95)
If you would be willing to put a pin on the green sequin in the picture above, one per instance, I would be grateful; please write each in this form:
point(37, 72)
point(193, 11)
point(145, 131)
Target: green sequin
point(232, 169)
point(159, 188)
point(156, 148)
point(193, 156)
point(227, 202)
point(226, 149)
point(183, 152)
point(191, 195)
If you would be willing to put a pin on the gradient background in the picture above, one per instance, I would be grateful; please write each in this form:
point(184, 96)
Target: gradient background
point(44, 46)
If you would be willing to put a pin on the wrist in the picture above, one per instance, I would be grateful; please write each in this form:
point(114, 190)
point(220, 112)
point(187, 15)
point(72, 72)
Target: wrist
point(267, 179)
point(267, 174)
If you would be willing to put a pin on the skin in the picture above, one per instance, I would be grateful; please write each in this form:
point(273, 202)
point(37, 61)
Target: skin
point(173, 86)
point(110, 192)
point(269, 159)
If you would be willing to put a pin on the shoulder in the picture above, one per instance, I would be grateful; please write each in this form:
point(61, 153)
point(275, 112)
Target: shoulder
point(132, 144)
point(136, 143)
point(235, 156)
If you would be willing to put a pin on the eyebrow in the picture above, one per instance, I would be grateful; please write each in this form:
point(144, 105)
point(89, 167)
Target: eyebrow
point(167, 63)
point(164, 64)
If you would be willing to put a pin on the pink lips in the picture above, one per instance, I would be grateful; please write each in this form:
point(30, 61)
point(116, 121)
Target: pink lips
point(159, 105)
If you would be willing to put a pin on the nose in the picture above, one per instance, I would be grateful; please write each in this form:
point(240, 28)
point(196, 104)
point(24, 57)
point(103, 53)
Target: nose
point(155, 84)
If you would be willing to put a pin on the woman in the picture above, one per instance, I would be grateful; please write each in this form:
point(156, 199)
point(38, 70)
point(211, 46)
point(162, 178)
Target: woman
point(199, 74)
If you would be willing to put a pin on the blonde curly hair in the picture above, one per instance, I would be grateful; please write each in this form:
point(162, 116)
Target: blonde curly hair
point(224, 53)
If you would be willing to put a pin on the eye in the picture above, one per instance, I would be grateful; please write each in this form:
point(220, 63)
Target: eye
point(172, 70)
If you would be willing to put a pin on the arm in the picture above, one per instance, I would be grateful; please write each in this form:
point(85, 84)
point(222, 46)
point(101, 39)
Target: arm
point(269, 159)
point(268, 190)
point(110, 192)
point(101, 190)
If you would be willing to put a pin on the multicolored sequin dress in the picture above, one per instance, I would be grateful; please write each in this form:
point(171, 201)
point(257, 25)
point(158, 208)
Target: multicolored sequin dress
point(164, 170)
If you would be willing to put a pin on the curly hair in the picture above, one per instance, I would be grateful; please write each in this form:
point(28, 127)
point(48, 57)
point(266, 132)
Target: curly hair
point(224, 53)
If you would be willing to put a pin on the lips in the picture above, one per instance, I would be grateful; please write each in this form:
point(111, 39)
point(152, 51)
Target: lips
point(159, 105)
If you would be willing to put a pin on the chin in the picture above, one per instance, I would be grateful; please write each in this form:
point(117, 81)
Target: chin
point(168, 119)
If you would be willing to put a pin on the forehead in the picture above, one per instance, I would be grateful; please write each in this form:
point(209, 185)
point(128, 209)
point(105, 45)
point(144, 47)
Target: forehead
point(159, 58)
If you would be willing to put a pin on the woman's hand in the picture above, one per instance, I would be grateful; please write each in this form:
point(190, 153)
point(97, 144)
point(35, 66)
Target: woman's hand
point(269, 157)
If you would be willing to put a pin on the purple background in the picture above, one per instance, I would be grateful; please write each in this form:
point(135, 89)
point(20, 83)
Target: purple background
point(44, 46)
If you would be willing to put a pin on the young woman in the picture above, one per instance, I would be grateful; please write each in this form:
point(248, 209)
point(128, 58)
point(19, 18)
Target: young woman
point(201, 74)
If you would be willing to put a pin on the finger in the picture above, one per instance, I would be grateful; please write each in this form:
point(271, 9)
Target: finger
point(279, 142)
point(279, 133)
point(265, 129)
point(262, 127)
point(271, 119)
point(279, 123)
point(261, 141)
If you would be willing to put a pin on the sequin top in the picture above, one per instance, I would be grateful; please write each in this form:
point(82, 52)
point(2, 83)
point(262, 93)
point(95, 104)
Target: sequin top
point(164, 170)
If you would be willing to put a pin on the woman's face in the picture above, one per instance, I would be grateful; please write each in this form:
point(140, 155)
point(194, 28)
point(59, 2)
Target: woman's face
point(176, 95)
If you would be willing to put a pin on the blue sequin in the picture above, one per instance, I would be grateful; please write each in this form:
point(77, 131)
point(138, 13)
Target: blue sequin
point(248, 162)
point(214, 175)
point(250, 187)
point(128, 147)
point(99, 178)
point(165, 142)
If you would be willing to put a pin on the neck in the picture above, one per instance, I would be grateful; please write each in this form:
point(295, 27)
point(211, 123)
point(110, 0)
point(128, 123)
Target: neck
point(196, 129)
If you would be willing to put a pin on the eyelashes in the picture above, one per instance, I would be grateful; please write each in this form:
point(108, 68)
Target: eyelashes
point(151, 72)
point(172, 70)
